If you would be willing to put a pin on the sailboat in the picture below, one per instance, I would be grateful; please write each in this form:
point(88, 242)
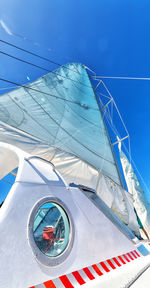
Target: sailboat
point(68, 220)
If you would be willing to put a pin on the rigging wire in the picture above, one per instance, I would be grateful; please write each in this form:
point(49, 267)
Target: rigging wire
point(73, 110)
point(39, 56)
point(77, 130)
point(116, 107)
point(113, 127)
point(99, 93)
point(94, 78)
point(78, 104)
point(129, 143)
point(45, 93)
point(107, 115)
point(129, 152)
point(121, 121)
point(58, 123)
point(42, 68)
point(10, 32)
point(57, 74)
point(7, 88)
point(35, 90)
point(57, 97)
point(55, 121)
point(113, 101)
point(37, 66)
point(120, 78)
point(7, 182)
point(33, 54)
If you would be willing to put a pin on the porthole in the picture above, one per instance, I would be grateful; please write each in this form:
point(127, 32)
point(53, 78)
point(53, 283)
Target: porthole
point(51, 232)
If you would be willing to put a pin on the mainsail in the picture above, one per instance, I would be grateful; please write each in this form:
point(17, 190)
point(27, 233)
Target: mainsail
point(58, 118)
point(140, 202)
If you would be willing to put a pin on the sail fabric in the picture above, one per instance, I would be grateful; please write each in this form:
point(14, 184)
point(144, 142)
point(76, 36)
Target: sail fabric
point(57, 117)
point(140, 203)
point(132, 219)
point(105, 191)
point(119, 201)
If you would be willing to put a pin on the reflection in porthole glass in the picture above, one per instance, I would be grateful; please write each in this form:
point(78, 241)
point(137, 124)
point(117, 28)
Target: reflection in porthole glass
point(51, 229)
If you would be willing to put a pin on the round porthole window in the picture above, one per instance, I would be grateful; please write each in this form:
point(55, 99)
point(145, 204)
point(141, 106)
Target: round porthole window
point(51, 232)
point(51, 229)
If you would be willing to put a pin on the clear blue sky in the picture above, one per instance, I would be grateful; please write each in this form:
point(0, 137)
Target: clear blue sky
point(110, 37)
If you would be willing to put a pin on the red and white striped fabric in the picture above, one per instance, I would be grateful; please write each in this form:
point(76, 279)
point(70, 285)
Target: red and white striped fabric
point(80, 277)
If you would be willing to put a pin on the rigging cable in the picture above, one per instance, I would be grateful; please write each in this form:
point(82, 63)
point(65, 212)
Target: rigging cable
point(7, 88)
point(37, 66)
point(37, 55)
point(24, 86)
point(42, 68)
point(120, 78)
point(10, 32)
point(119, 117)
point(7, 182)
point(60, 125)
point(93, 77)
point(42, 92)
point(116, 107)
point(127, 151)
point(53, 72)
point(33, 54)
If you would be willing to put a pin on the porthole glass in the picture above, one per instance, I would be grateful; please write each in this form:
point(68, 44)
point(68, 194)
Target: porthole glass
point(51, 229)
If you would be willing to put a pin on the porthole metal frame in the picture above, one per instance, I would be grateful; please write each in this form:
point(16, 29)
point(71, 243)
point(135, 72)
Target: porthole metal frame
point(42, 258)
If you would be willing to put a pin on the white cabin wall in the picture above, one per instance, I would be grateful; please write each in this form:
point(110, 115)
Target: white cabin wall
point(96, 238)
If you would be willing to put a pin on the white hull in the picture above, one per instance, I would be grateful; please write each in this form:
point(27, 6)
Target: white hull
point(96, 243)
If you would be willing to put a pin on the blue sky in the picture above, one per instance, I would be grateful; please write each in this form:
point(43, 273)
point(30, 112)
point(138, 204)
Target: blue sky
point(110, 37)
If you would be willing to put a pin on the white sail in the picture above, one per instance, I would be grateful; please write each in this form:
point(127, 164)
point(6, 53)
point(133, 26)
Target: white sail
point(140, 202)
point(119, 201)
point(132, 219)
point(58, 118)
